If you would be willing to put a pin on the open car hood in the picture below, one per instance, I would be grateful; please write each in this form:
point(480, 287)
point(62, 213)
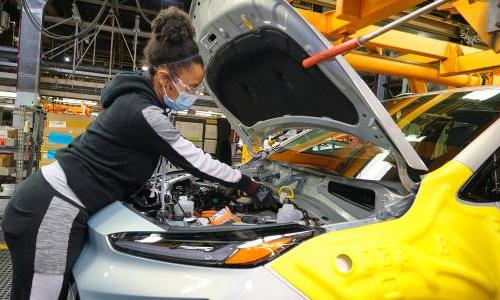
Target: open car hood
point(253, 52)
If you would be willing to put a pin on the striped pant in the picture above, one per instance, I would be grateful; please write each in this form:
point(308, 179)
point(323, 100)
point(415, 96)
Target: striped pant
point(45, 232)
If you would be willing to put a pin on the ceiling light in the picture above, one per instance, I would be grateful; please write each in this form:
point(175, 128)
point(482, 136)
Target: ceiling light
point(8, 94)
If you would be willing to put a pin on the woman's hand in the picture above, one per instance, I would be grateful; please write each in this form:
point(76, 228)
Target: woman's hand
point(262, 196)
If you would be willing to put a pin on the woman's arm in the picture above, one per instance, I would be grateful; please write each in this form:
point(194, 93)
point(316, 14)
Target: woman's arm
point(153, 130)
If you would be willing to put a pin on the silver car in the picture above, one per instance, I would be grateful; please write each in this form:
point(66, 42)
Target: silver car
point(355, 163)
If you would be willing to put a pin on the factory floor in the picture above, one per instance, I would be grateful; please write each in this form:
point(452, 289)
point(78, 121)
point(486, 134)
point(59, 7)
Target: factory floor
point(5, 271)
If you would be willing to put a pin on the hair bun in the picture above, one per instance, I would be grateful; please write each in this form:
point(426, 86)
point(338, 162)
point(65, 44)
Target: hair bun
point(172, 26)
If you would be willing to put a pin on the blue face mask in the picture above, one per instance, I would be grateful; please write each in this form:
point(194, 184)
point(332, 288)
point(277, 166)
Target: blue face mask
point(183, 101)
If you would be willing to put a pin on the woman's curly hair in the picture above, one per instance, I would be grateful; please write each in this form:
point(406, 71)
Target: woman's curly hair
point(172, 41)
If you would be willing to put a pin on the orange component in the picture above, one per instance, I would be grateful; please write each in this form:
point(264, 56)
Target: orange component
point(257, 253)
point(207, 213)
point(70, 109)
point(221, 217)
point(329, 53)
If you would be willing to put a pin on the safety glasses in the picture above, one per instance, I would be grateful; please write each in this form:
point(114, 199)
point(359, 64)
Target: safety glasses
point(182, 86)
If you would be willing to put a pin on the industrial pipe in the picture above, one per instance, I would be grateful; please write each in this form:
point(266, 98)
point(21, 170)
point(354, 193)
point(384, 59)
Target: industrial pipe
point(387, 66)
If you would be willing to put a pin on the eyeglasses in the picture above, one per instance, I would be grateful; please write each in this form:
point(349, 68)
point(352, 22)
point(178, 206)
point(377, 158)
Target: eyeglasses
point(181, 85)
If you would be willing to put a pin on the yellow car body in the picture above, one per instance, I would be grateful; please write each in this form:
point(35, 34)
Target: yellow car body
point(440, 249)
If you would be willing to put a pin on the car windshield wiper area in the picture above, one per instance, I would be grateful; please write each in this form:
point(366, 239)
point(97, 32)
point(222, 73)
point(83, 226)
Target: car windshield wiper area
point(364, 198)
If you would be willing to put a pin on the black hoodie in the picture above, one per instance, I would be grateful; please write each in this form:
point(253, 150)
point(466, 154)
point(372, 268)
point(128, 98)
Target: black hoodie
point(121, 148)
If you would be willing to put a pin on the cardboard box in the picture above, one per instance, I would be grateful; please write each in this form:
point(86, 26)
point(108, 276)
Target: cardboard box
point(47, 145)
point(4, 171)
point(60, 130)
point(73, 131)
point(8, 132)
point(57, 121)
point(49, 155)
point(7, 160)
point(12, 133)
point(73, 125)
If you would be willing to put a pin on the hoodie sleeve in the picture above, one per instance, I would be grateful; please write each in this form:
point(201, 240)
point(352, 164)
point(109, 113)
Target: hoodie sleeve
point(153, 130)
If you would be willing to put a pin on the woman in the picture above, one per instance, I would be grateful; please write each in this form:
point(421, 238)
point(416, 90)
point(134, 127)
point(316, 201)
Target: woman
point(45, 222)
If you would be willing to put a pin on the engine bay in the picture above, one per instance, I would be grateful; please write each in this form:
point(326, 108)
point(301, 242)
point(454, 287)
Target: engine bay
point(212, 204)
point(308, 198)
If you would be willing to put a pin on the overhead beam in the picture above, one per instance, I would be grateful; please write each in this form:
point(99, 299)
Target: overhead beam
point(417, 86)
point(57, 81)
point(7, 88)
point(458, 63)
point(324, 3)
point(430, 24)
point(494, 78)
point(120, 6)
point(393, 67)
point(126, 31)
point(453, 58)
point(411, 43)
point(417, 58)
point(476, 14)
point(69, 95)
point(351, 15)
point(76, 83)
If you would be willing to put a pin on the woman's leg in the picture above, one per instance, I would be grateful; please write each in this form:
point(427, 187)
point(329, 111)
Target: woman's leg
point(45, 235)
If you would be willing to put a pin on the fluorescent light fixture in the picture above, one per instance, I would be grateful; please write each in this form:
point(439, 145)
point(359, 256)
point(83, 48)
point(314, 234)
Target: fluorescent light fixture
point(482, 94)
point(8, 94)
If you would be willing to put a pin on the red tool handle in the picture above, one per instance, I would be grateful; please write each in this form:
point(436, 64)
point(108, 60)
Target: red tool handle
point(328, 53)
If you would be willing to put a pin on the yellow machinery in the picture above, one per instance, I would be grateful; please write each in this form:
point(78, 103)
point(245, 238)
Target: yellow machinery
point(422, 59)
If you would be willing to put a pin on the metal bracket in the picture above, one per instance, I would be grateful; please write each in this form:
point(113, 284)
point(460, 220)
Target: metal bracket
point(209, 40)
point(493, 18)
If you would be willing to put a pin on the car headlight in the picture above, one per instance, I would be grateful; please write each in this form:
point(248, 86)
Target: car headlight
point(218, 247)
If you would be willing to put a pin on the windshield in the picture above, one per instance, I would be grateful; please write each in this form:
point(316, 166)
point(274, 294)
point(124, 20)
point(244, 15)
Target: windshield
point(438, 126)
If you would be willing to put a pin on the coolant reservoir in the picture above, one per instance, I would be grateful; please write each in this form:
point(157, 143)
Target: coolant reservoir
point(187, 206)
point(288, 213)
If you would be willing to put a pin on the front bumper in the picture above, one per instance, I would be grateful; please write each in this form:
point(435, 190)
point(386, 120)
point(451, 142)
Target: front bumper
point(101, 272)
